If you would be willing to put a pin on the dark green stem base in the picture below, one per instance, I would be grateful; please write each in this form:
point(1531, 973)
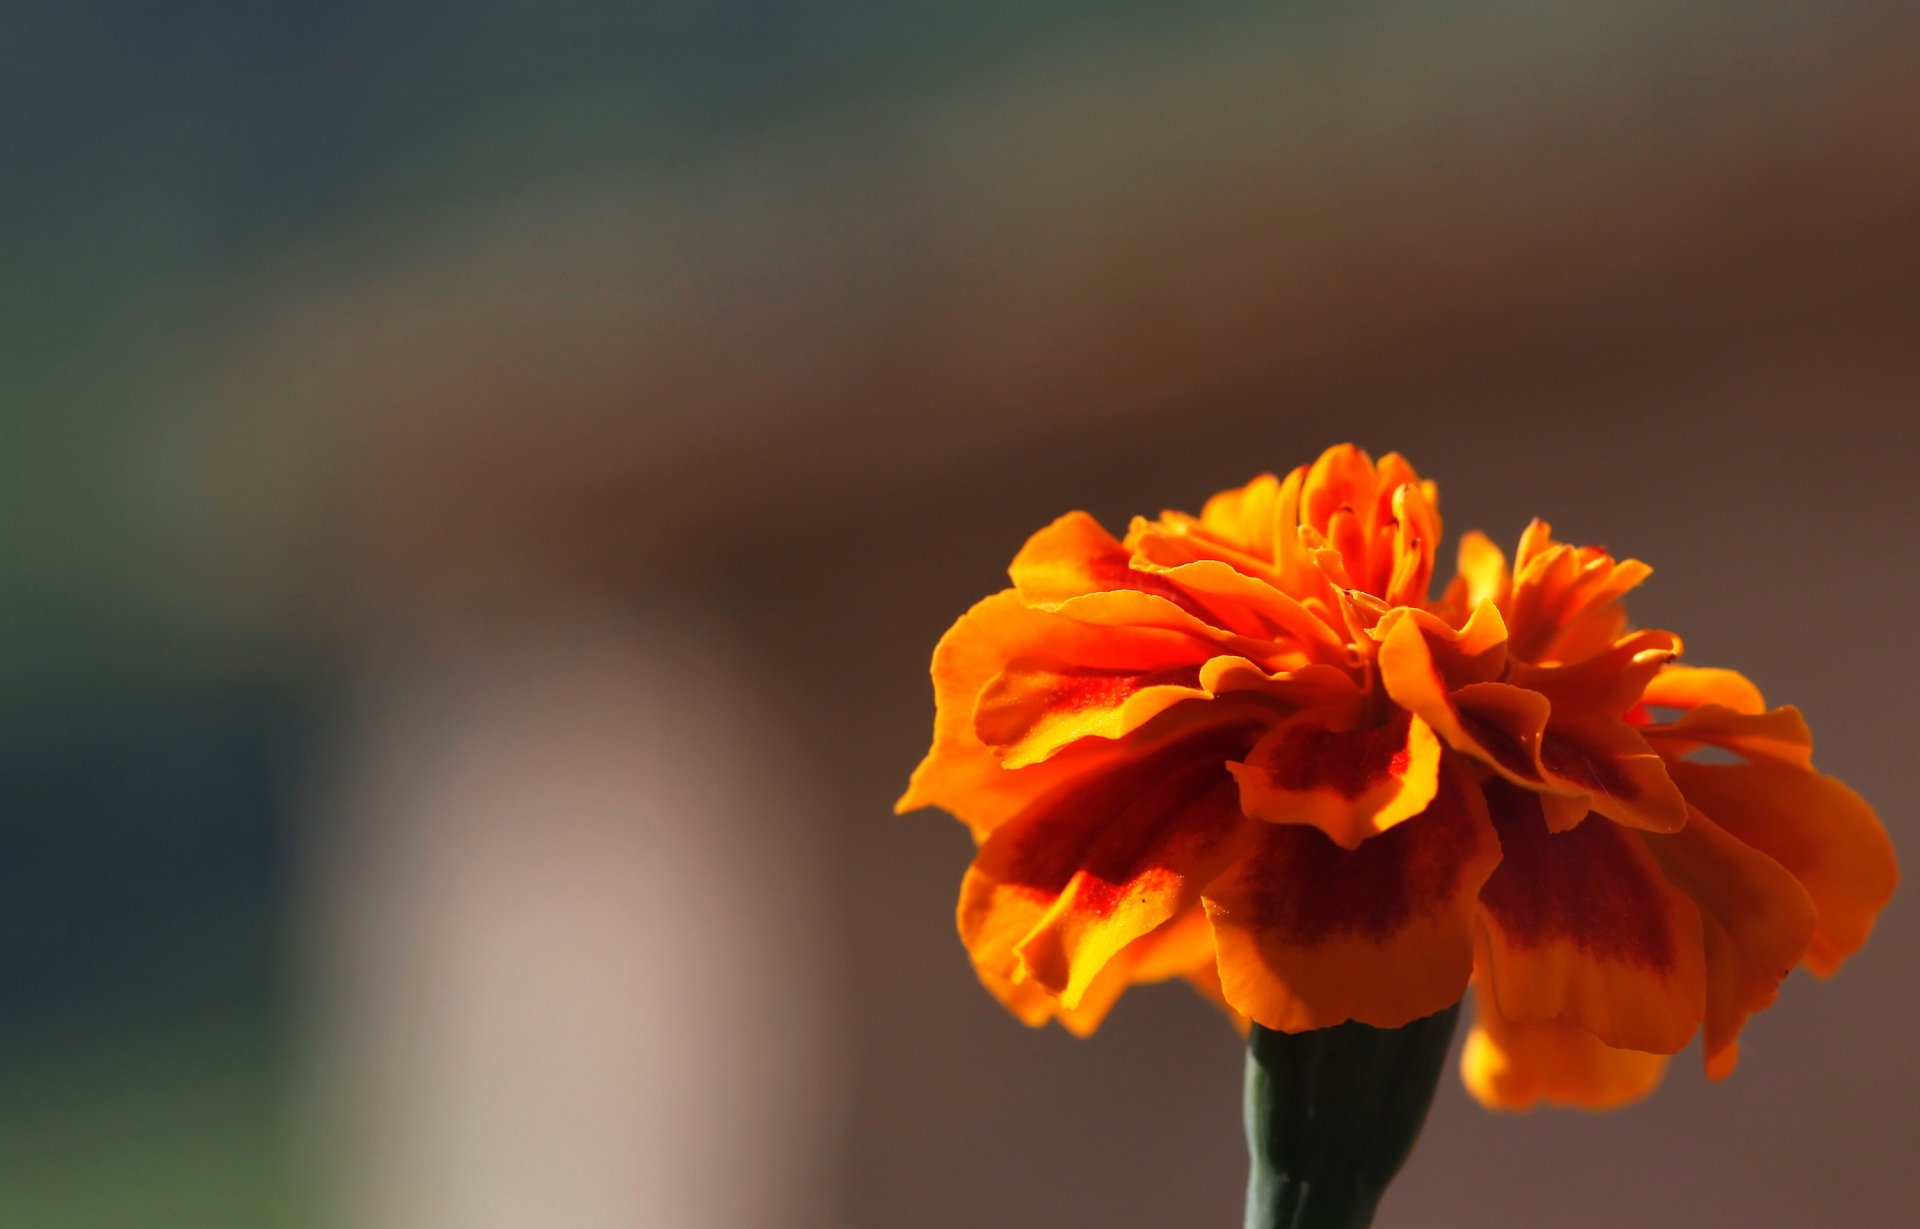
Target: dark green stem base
point(1332, 1114)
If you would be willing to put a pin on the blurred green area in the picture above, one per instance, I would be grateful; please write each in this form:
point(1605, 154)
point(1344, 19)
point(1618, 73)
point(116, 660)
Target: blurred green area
point(143, 900)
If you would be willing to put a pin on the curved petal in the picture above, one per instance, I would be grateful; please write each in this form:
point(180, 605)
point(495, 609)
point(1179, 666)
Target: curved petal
point(1245, 515)
point(1054, 893)
point(1501, 726)
point(1508, 1065)
point(1610, 682)
point(1582, 927)
point(1615, 772)
point(1066, 567)
point(1313, 686)
point(1565, 604)
point(1311, 935)
point(1823, 833)
point(1780, 734)
point(1421, 658)
point(1261, 610)
point(1758, 920)
point(1038, 706)
point(1349, 783)
point(1182, 948)
point(959, 772)
point(1693, 686)
point(1480, 573)
point(1413, 541)
point(1376, 521)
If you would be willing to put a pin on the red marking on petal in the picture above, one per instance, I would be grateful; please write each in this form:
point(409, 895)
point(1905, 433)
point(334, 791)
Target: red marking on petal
point(1567, 756)
point(1084, 687)
point(1110, 827)
point(1583, 885)
point(1349, 762)
point(1116, 571)
point(1508, 751)
point(1309, 889)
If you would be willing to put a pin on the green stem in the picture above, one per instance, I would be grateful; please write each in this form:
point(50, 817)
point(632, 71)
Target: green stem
point(1332, 1114)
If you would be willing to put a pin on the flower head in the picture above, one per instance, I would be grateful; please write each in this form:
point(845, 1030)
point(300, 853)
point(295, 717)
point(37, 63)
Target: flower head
point(1247, 748)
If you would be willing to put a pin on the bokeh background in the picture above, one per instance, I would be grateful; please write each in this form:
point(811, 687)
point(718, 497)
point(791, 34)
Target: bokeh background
point(479, 484)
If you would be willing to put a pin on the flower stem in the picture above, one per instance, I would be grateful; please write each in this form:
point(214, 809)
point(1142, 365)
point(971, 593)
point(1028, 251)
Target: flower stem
point(1332, 1114)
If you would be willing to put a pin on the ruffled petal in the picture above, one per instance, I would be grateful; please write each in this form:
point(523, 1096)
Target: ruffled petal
point(959, 772)
point(1378, 522)
point(1054, 893)
point(1616, 773)
point(1608, 683)
point(1076, 568)
point(1758, 920)
point(1508, 1065)
point(1504, 728)
point(1182, 947)
point(1350, 783)
point(1038, 706)
point(1261, 610)
point(1421, 658)
point(1780, 734)
point(1582, 927)
point(1308, 687)
point(1311, 935)
point(1823, 833)
point(1565, 604)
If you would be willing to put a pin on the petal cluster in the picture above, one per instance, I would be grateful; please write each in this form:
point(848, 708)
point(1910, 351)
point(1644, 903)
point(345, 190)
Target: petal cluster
point(1250, 749)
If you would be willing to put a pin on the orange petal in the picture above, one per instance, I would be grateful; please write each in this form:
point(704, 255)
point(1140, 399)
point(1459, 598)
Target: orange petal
point(959, 772)
point(1413, 539)
point(1258, 609)
point(1692, 686)
point(1535, 540)
point(1618, 775)
point(1421, 658)
point(1480, 573)
point(1059, 889)
point(1498, 724)
point(1182, 947)
point(1036, 707)
point(1245, 516)
point(1823, 833)
point(1582, 927)
point(1508, 1065)
point(1308, 687)
point(1780, 734)
point(1350, 783)
point(1073, 560)
point(1174, 538)
point(1609, 682)
point(1565, 604)
point(1757, 917)
point(1297, 573)
point(1311, 935)
point(1341, 479)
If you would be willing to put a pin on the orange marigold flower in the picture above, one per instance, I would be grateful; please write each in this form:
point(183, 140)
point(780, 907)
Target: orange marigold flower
point(1248, 749)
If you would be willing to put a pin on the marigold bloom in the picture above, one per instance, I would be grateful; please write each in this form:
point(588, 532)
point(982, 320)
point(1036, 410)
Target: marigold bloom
point(1248, 749)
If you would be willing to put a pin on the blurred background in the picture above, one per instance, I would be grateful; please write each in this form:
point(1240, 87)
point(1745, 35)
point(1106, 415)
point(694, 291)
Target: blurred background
point(480, 484)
